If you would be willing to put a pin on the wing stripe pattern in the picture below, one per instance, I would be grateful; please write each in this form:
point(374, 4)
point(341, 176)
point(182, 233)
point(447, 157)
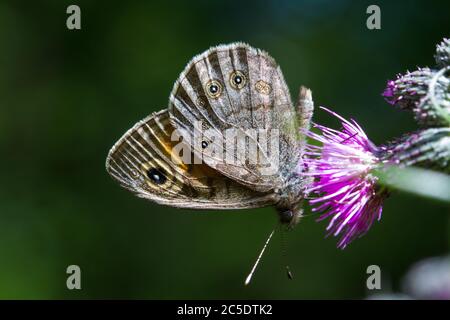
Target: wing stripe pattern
point(147, 147)
point(262, 103)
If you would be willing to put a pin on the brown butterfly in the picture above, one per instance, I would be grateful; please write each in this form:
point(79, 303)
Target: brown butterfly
point(176, 156)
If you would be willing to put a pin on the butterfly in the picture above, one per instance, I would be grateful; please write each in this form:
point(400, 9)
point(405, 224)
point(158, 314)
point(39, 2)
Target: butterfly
point(176, 156)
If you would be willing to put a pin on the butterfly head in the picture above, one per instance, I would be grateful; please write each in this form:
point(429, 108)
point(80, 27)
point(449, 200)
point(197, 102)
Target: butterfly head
point(290, 216)
point(290, 198)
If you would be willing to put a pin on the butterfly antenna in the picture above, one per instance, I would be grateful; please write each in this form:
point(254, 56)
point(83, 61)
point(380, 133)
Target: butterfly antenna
point(250, 275)
point(283, 252)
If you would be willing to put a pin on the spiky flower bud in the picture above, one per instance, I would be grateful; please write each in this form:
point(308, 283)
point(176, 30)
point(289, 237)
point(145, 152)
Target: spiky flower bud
point(425, 92)
point(429, 148)
point(443, 53)
point(407, 90)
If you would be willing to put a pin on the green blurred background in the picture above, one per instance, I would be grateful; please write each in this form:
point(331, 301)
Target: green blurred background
point(67, 96)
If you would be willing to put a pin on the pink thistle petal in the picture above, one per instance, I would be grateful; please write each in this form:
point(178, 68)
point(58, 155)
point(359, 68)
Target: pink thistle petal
point(344, 188)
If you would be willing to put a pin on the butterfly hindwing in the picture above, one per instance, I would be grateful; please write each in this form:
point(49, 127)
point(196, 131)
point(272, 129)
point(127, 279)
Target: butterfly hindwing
point(143, 161)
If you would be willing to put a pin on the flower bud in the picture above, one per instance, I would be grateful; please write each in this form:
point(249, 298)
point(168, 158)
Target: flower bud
point(443, 53)
point(429, 148)
point(425, 92)
point(407, 90)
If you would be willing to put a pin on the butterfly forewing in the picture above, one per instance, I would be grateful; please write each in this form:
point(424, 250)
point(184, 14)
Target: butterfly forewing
point(144, 161)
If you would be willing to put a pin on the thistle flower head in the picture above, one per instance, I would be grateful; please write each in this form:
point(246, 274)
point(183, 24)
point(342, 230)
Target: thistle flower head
point(425, 91)
point(429, 148)
point(346, 191)
point(407, 90)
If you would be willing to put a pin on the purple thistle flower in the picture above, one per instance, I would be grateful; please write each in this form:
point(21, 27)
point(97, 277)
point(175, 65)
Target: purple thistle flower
point(346, 190)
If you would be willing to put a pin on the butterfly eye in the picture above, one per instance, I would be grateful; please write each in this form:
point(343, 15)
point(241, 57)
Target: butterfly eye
point(204, 144)
point(214, 89)
point(158, 176)
point(237, 80)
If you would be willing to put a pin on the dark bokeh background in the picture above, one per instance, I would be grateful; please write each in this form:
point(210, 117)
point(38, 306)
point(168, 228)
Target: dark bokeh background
point(67, 96)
